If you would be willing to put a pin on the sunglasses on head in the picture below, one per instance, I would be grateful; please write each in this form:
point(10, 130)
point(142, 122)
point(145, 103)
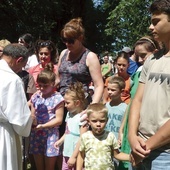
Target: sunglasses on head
point(45, 43)
point(68, 40)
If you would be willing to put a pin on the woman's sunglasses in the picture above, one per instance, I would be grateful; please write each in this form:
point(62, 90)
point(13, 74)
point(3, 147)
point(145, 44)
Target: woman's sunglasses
point(68, 40)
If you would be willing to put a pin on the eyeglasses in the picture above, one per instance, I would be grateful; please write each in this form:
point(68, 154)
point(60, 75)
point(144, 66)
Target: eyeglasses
point(68, 40)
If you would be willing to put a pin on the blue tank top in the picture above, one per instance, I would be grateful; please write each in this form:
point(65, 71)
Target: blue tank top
point(71, 72)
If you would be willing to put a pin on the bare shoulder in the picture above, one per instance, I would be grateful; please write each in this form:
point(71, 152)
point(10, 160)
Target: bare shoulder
point(92, 59)
point(62, 53)
point(91, 55)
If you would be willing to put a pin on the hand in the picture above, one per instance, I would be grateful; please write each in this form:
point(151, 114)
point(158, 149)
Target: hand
point(71, 162)
point(83, 117)
point(57, 144)
point(135, 159)
point(138, 146)
point(39, 126)
point(120, 138)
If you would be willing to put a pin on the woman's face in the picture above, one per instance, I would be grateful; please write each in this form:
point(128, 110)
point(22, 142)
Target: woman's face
point(141, 53)
point(71, 43)
point(122, 65)
point(44, 56)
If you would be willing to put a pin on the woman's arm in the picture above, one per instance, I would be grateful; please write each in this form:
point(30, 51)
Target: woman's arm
point(58, 65)
point(93, 64)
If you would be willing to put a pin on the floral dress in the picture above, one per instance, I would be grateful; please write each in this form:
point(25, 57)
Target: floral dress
point(42, 141)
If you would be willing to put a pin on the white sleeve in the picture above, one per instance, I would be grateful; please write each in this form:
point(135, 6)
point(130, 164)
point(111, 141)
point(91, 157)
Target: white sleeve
point(17, 110)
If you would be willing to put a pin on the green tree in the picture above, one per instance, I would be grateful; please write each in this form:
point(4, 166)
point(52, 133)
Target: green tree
point(128, 22)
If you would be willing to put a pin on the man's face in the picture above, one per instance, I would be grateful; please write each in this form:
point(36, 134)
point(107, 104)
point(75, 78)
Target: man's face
point(18, 65)
point(160, 27)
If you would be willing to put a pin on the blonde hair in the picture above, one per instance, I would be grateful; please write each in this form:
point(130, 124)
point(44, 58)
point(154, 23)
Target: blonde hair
point(4, 43)
point(97, 107)
point(77, 92)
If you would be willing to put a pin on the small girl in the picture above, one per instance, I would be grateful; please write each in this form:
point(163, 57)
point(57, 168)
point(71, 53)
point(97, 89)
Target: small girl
point(122, 64)
point(75, 103)
point(47, 106)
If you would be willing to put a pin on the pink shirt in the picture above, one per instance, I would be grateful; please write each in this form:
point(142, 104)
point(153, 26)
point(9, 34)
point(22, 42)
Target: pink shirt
point(34, 71)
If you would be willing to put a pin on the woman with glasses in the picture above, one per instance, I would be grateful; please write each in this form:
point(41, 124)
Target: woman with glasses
point(47, 53)
point(77, 63)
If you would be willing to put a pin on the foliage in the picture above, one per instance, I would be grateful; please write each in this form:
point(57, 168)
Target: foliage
point(108, 26)
point(128, 22)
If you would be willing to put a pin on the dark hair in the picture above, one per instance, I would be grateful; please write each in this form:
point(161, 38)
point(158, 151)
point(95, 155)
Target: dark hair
point(47, 75)
point(50, 46)
point(16, 50)
point(29, 40)
point(124, 55)
point(160, 6)
point(77, 92)
point(73, 29)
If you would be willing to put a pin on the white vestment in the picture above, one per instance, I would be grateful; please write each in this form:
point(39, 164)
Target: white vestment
point(15, 120)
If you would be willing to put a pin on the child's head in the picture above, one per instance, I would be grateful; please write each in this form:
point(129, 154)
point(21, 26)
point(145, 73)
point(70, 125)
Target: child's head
point(97, 114)
point(75, 99)
point(144, 47)
point(122, 63)
point(46, 79)
point(115, 87)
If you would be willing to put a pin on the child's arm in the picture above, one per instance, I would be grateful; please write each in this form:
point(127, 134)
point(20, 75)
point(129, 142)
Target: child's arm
point(56, 121)
point(72, 159)
point(80, 160)
point(121, 156)
point(59, 142)
point(121, 129)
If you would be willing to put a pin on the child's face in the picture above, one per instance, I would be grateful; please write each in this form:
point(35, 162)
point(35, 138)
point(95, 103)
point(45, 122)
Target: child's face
point(142, 53)
point(114, 90)
point(97, 122)
point(70, 103)
point(122, 65)
point(46, 88)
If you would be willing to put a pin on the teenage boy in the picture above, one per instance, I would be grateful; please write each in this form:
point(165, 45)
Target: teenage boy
point(149, 120)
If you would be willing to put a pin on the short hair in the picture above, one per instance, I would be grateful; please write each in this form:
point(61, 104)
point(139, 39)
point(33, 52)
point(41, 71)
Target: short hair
point(117, 80)
point(160, 6)
point(4, 43)
point(97, 107)
point(16, 50)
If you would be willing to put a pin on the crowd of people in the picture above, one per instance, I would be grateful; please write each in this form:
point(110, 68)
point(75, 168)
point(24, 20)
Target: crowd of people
point(69, 111)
